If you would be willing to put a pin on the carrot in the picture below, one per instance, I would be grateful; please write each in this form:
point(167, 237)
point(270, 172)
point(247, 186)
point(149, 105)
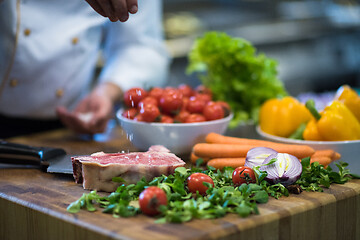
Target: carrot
point(220, 163)
point(327, 153)
point(216, 150)
point(218, 138)
point(194, 158)
point(300, 151)
point(336, 157)
point(323, 160)
point(207, 150)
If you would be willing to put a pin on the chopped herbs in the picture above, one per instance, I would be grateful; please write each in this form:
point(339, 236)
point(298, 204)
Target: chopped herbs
point(222, 199)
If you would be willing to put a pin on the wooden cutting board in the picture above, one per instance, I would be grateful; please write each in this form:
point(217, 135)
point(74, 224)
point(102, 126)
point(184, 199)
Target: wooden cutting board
point(33, 206)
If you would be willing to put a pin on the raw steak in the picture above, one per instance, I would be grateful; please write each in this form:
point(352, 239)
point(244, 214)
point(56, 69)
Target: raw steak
point(96, 171)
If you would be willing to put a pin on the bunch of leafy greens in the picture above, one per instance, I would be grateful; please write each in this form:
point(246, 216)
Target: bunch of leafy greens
point(221, 199)
point(234, 72)
point(315, 176)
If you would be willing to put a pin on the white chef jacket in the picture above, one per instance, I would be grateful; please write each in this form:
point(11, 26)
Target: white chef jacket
point(49, 50)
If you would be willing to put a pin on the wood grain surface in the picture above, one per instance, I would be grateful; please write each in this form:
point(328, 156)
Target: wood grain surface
point(33, 206)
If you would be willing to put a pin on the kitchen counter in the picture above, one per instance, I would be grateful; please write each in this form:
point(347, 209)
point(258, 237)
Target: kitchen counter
point(33, 206)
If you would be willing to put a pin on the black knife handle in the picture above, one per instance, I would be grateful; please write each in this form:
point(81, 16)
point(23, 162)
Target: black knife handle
point(15, 153)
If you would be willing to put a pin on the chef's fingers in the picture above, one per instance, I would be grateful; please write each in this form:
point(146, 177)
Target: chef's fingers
point(84, 105)
point(115, 9)
point(120, 9)
point(71, 121)
point(73, 124)
point(108, 8)
point(132, 6)
point(100, 119)
point(96, 6)
point(99, 126)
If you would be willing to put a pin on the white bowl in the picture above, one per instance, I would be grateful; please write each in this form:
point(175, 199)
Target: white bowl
point(349, 150)
point(179, 138)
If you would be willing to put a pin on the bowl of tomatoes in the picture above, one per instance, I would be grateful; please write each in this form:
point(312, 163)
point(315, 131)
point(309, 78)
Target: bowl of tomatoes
point(175, 117)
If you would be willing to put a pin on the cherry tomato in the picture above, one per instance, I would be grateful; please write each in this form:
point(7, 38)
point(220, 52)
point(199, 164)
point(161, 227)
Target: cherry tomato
point(139, 118)
point(204, 90)
point(166, 119)
point(133, 96)
point(186, 90)
point(195, 117)
point(225, 106)
point(170, 89)
point(243, 175)
point(182, 116)
point(195, 105)
point(213, 111)
point(156, 92)
point(149, 113)
point(171, 101)
point(130, 113)
point(148, 100)
point(151, 199)
point(206, 97)
point(185, 103)
point(195, 183)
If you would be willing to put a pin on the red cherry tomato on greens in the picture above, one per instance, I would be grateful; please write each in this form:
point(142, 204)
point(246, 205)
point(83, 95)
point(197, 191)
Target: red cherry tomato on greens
point(133, 96)
point(195, 117)
point(130, 113)
point(213, 111)
point(151, 199)
point(195, 183)
point(243, 175)
point(149, 113)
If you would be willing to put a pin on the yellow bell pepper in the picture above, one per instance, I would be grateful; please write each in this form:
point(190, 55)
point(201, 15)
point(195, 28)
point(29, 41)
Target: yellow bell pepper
point(350, 98)
point(281, 117)
point(311, 131)
point(335, 123)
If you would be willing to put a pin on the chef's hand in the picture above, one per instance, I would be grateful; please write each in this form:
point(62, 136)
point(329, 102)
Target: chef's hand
point(115, 9)
point(93, 112)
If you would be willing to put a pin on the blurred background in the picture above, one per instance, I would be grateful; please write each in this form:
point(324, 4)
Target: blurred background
point(316, 43)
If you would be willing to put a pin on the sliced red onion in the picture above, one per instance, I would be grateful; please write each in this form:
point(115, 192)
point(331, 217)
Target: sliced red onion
point(285, 170)
point(257, 155)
